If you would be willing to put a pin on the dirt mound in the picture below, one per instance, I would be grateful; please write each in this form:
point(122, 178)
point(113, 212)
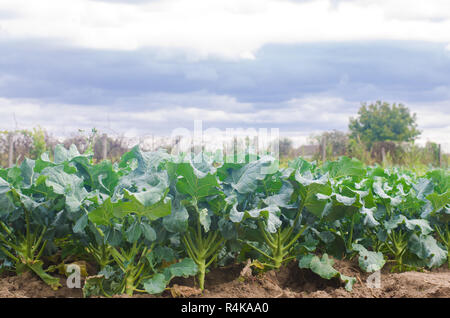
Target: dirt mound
point(288, 282)
point(293, 282)
point(29, 285)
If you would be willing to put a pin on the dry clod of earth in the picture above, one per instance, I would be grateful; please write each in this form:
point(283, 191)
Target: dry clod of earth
point(289, 282)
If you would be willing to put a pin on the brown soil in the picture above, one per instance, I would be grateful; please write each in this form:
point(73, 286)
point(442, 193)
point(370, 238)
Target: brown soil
point(289, 282)
point(29, 285)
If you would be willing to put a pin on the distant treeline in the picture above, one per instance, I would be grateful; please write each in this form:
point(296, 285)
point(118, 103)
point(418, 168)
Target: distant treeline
point(33, 143)
point(329, 146)
point(333, 144)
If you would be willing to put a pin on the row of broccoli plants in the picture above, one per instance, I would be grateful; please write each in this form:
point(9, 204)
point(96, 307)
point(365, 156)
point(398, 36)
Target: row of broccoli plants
point(154, 216)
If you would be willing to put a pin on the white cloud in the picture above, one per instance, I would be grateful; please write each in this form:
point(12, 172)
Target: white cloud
point(177, 109)
point(247, 55)
point(433, 120)
point(296, 118)
point(226, 28)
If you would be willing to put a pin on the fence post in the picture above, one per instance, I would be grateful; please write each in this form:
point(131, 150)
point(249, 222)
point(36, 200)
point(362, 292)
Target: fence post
point(324, 150)
point(383, 156)
point(11, 149)
point(104, 147)
point(439, 156)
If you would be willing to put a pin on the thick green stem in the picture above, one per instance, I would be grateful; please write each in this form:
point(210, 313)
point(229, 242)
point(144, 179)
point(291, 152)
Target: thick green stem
point(28, 235)
point(129, 285)
point(398, 248)
point(278, 255)
point(350, 238)
point(201, 247)
point(200, 250)
point(280, 242)
point(201, 273)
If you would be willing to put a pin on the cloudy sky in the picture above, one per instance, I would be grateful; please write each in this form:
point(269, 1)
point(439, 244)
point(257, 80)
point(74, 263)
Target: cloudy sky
point(142, 67)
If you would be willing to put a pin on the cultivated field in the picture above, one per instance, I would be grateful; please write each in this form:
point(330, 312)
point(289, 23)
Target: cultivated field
point(155, 224)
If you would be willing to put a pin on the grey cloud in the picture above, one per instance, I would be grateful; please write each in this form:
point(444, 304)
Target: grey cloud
point(355, 71)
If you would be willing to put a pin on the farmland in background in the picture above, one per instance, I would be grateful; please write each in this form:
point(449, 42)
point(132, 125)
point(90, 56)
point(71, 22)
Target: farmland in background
point(328, 145)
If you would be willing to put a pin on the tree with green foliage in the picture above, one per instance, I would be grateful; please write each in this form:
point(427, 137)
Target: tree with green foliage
point(384, 122)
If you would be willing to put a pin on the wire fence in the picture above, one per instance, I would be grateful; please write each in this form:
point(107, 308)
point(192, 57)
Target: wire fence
point(17, 145)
